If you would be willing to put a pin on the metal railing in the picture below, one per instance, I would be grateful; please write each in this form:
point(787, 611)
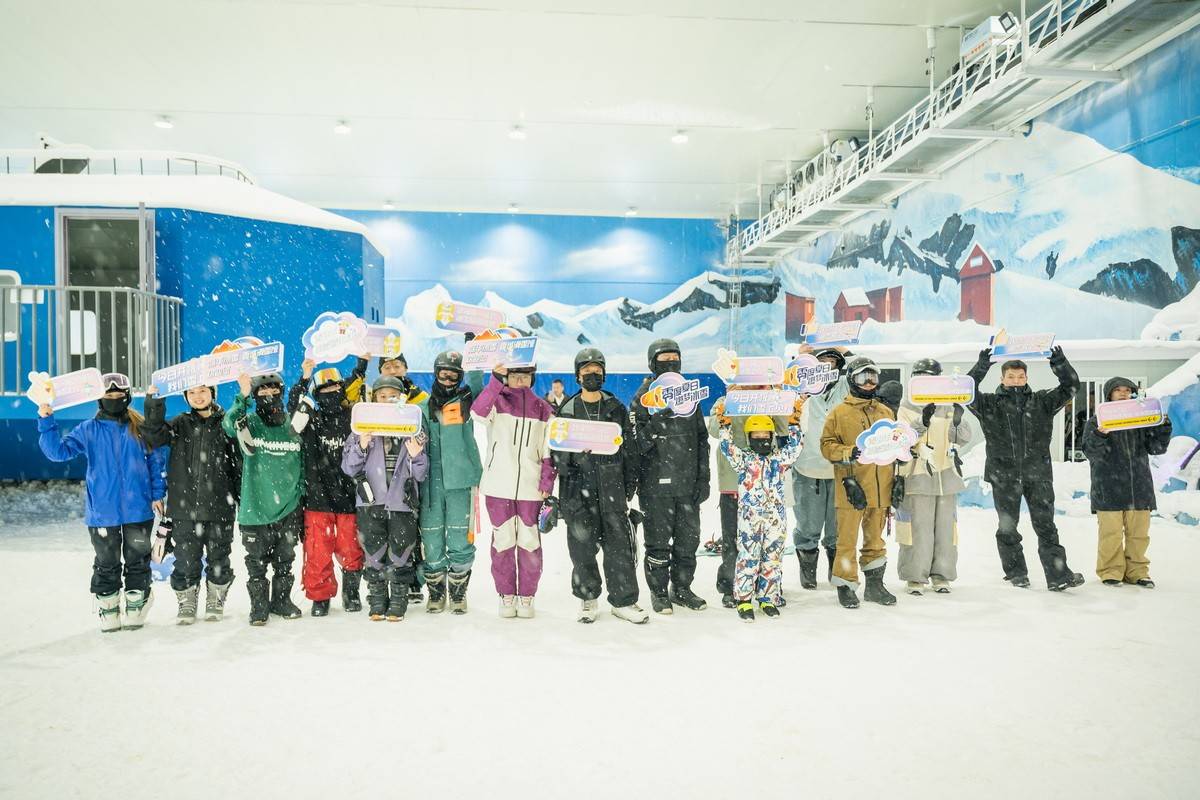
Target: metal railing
point(824, 176)
point(59, 329)
point(86, 161)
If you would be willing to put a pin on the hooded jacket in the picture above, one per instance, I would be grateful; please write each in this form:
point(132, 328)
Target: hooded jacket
point(842, 427)
point(607, 480)
point(272, 475)
point(326, 487)
point(812, 462)
point(934, 471)
point(1120, 461)
point(673, 451)
point(453, 453)
point(204, 469)
point(371, 463)
point(517, 463)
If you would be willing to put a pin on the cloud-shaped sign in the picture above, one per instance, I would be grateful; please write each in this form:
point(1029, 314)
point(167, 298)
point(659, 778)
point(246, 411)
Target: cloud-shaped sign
point(332, 336)
point(885, 442)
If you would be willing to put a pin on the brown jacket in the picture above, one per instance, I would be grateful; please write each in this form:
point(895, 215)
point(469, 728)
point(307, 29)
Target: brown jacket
point(843, 425)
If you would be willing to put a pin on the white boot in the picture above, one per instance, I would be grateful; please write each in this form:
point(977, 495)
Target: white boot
point(188, 599)
point(915, 587)
point(633, 613)
point(940, 584)
point(137, 606)
point(110, 612)
point(525, 607)
point(508, 606)
point(588, 609)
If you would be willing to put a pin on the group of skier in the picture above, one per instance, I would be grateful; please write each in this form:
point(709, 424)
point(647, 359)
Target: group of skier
point(403, 513)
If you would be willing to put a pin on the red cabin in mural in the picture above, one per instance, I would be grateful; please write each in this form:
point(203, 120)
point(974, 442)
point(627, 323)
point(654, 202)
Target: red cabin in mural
point(975, 282)
point(881, 305)
point(798, 312)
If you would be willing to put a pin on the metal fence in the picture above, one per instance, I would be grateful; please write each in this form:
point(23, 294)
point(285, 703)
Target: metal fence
point(88, 161)
point(59, 329)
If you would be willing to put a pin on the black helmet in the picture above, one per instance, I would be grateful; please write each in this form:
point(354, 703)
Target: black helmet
point(589, 355)
point(389, 382)
point(660, 346)
point(270, 379)
point(400, 357)
point(831, 352)
point(859, 364)
point(927, 366)
point(448, 359)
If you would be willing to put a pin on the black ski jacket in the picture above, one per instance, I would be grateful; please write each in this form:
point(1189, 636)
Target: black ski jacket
point(608, 481)
point(1018, 424)
point(1120, 462)
point(672, 451)
point(204, 470)
point(326, 487)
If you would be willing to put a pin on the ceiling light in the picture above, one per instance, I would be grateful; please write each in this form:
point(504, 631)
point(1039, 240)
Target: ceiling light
point(631, 211)
point(516, 133)
point(342, 127)
point(513, 208)
point(680, 137)
point(387, 205)
point(164, 123)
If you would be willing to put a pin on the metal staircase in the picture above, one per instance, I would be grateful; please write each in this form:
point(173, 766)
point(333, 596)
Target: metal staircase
point(1056, 52)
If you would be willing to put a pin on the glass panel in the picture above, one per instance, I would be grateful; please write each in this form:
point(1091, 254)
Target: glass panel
point(102, 253)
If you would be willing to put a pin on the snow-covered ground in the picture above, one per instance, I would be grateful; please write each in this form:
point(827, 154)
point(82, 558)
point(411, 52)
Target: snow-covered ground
point(987, 692)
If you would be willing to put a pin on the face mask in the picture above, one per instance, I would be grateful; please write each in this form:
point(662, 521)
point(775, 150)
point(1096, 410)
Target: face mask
point(592, 381)
point(114, 406)
point(328, 401)
point(663, 367)
point(270, 408)
point(762, 447)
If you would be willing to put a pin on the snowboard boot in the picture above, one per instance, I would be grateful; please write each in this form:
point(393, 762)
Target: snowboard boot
point(808, 568)
point(214, 600)
point(727, 600)
point(398, 602)
point(508, 606)
point(281, 597)
point(661, 604)
point(350, 582)
point(459, 581)
point(188, 600)
point(588, 610)
point(847, 597)
point(320, 608)
point(684, 596)
point(1112, 582)
point(110, 612)
point(1019, 581)
point(436, 583)
point(260, 601)
point(769, 610)
point(377, 598)
point(746, 611)
point(415, 595)
point(876, 592)
point(915, 587)
point(631, 613)
point(1145, 583)
point(525, 606)
point(830, 556)
point(940, 584)
point(1068, 581)
point(137, 607)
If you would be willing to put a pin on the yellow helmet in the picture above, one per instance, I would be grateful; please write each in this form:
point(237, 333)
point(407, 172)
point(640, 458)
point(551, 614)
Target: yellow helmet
point(326, 376)
point(759, 422)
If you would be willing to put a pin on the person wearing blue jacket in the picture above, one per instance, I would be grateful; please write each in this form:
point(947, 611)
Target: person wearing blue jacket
point(125, 487)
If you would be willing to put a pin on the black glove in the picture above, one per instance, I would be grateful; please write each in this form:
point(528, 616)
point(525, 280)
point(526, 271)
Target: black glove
point(635, 518)
point(548, 515)
point(958, 413)
point(927, 414)
point(364, 490)
point(701, 494)
point(1057, 357)
point(854, 493)
point(985, 358)
point(468, 336)
point(897, 491)
point(855, 453)
point(658, 422)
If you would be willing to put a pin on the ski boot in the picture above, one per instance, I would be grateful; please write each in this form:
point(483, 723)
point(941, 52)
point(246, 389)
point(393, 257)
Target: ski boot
point(769, 610)
point(847, 597)
point(436, 583)
point(137, 607)
point(588, 610)
point(459, 581)
point(320, 608)
point(876, 592)
point(260, 600)
point(110, 612)
point(214, 601)
point(631, 613)
point(188, 600)
point(281, 597)
point(684, 596)
point(350, 599)
point(808, 568)
point(746, 611)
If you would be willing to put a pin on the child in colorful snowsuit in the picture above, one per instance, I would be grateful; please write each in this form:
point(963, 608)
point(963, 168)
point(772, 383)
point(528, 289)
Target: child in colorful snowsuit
point(269, 516)
point(329, 511)
point(761, 512)
point(125, 487)
point(518, 475)
point(389, 472)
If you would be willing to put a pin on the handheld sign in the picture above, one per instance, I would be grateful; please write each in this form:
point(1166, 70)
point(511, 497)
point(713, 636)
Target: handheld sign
point(748, 402)
point(583, 435)
point(503, 347)
point(451, 316)
point(941, 390)
point(1029, 345)
point(808, 375)
point(67, 390)
point(380, 340)
point(830, 334)
point(672, 390)
point(386, 419)
point(1123, 415)
point(333, 336)
point(885, 442)
point(224, 364)
point(752, 371)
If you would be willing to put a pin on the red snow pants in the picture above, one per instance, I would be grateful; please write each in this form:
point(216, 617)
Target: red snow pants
point(327, 535)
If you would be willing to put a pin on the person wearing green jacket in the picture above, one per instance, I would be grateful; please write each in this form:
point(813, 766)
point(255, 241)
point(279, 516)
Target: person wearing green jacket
point(454, 472)
point(269, 515)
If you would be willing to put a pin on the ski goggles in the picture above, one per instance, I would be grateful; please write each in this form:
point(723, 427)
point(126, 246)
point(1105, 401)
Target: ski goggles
point(449, 376)
point(865, 376)
point(115, 380)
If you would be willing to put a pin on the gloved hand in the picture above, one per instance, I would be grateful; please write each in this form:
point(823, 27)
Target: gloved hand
point(468, 336)
point(636, 518)
point(162, 541)
point(927, 414)
point(701, 494)
point(1057, 357)
point(985, 358)
point(855, 453)
point(364, 490)
point(897, 491)
point(548, 515)
point(958, 413)
point(854, 493)
point(303, 413)
point(658, 422)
